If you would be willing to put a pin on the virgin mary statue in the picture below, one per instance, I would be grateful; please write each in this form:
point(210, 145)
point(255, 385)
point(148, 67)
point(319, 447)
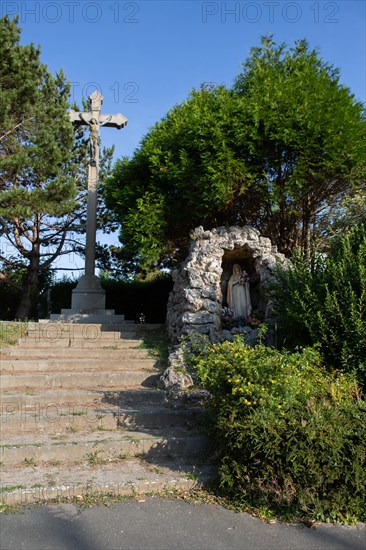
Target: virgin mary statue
point(238, 295)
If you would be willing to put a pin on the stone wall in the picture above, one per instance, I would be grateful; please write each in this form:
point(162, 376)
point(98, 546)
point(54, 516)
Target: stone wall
point(200, 284)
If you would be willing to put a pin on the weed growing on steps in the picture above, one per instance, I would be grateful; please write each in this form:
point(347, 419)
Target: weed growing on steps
point(94, 459)
point(10, 332)
point(11, 488)
point(30, 462)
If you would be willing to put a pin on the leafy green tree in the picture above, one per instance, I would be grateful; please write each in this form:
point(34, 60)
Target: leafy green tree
point(43, 168)
point(275, 151)
point(342, 216)
point(324, 302)
point(184, 173)
point(304, 136)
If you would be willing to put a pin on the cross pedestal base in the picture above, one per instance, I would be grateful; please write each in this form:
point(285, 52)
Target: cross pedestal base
point(88, 304)
point(88, 294)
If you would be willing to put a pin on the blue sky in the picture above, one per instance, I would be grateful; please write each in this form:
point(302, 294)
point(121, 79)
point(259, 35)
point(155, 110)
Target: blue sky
point(146, 56)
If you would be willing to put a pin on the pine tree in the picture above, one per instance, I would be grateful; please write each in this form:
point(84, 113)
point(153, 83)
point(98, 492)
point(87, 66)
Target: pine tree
point(39, 165)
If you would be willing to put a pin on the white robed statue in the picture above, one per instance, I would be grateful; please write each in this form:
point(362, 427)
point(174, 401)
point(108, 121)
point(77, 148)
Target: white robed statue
point(238, 295)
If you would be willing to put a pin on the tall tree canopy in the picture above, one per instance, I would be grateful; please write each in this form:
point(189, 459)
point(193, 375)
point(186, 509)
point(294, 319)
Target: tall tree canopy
point(42, 167)
point(274, 151)
point(305, 138)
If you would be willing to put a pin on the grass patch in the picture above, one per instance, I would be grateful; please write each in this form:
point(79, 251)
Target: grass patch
point(94, 459)
point(11, 488)
point(10, 332)
point(30, 462)
point(54, 462)
point(157, 343)
point(72, 429)
point(8, 508)
point(125, 456)
point(132, 439)
point(102, 429)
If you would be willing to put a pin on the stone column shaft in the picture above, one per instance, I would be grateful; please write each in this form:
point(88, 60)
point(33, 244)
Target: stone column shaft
point(91, 223)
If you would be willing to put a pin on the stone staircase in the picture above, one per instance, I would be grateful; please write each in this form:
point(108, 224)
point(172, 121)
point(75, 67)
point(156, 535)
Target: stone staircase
point(80, 413)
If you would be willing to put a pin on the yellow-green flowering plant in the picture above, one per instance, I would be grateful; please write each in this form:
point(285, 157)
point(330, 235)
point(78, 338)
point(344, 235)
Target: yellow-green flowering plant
point(290, 435)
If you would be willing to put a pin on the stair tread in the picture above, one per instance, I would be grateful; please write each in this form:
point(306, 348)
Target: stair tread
point(126, 477)
point(112, 436)
point(78, 411)
point(79, 392)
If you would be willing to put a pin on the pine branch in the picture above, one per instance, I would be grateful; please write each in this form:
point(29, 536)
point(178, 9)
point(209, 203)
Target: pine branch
point(16, 126)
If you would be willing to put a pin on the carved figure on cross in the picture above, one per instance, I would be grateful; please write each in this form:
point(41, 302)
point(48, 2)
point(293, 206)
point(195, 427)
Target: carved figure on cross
point(94, 119)
point(94, 136)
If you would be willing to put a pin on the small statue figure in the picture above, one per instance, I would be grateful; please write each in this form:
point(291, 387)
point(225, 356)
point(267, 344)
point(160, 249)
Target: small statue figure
point(238, 295)
point(94, 139)
point(94, 136)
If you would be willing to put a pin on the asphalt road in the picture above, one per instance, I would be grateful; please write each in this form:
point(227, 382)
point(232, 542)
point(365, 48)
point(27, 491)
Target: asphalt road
point(164, 524)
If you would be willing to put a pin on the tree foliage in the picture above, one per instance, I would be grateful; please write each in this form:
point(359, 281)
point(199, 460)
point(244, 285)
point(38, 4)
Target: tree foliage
point(184, 173)
point(324, 301)
point(305, 135)
point(43, 168)
point(275, 151)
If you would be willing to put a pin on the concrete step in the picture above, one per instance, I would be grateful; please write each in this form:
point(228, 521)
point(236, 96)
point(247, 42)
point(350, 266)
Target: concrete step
point(52, 418)
point(129, 349)
point(123, 343)
point(59, 334)
point(90, 330)
point(104, 316)
point(56, 331)
point(100, 447)
point(80, 413)
point(73, 380)
point(26, 366)
point(38, 397)
point(123, 477)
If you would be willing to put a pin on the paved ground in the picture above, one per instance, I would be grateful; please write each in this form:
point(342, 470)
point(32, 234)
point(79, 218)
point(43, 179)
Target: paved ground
point(164, 524)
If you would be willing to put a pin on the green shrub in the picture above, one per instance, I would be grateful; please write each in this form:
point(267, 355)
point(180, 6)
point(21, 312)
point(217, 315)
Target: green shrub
point(324, 301)
point(60, 294)
point(290, 436)
point(9, 301)
point(130, 298)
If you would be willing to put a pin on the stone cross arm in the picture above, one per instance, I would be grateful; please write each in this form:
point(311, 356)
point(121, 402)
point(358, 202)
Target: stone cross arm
point(111, 121)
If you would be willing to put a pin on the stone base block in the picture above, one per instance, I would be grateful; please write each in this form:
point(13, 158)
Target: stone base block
point(99, 316)
point(88, 305)
point(88, 294)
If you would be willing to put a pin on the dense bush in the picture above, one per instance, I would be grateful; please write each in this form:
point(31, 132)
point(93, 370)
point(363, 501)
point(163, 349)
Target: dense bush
point(131, 298)
point(60, 294)
point(290, 436)
point(324, 301)
point(10, 296)
point(9, 300)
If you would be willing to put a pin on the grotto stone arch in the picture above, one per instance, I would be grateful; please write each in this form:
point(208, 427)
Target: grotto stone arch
point(200, 283)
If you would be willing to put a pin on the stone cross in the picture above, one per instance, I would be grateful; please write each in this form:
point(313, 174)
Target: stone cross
point(94, 119)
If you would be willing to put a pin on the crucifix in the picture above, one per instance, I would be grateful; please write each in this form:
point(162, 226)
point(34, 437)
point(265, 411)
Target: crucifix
point(89, 294)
